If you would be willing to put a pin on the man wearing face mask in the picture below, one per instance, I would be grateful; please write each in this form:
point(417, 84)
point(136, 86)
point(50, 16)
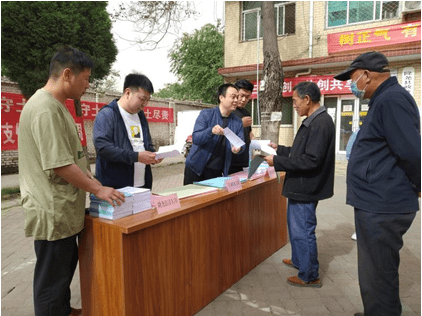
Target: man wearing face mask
point(383, 179)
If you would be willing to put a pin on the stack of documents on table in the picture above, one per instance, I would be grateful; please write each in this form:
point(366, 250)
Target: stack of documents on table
point(219, 182)
point(141, 198)
point(103, 209)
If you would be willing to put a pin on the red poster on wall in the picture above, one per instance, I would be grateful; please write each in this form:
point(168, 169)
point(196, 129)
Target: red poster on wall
point(11, 108)
point(12, 104)
point(374, 37)
point(153, 114)
point(327, 85)
point(78, 121)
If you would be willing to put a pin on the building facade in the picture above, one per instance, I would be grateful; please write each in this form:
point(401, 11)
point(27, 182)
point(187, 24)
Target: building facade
point(317, 40)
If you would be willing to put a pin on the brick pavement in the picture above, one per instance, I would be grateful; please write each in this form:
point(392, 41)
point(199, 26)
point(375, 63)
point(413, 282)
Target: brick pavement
point(264, 290)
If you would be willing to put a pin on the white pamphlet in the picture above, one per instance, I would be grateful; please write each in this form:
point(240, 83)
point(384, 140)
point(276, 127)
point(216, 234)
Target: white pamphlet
point(233, 138)
point(263, 147)
point(167, 152)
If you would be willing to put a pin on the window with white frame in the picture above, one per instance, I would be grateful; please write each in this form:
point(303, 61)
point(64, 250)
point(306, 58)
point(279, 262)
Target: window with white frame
point(341, 13)
point(285, 14)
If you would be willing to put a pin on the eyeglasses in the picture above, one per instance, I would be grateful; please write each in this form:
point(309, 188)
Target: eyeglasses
point(144, 100)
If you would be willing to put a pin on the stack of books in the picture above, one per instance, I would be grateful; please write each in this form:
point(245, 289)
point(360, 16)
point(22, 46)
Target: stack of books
point(141, 198)
point(103, 209)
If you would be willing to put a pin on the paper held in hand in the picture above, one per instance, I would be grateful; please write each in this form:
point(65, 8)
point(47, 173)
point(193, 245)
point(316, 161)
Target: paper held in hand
point(167, 152)
point(233, 138)
point(261, 148)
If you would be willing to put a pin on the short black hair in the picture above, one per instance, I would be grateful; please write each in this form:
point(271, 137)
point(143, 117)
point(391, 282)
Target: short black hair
point(138, 81)
point(244, 84)
point(305, 88)
point(223, 89)
point(69, 57)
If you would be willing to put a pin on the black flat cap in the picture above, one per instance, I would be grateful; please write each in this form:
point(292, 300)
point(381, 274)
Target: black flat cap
point(372, 61)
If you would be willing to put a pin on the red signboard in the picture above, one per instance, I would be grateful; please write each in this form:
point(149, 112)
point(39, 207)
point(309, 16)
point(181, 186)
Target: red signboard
point(11, 108)
point(12, 104)
point(78, 121)
point(374, 37)
point(153, 114)
point(327, 85)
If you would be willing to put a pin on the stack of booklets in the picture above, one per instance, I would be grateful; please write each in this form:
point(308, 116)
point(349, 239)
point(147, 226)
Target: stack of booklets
point(141, 198)
point(136, 201)
point(103, 209)
point(219, 182)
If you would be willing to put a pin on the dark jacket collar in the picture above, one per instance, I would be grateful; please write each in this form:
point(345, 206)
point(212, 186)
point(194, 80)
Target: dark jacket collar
point(387, 83)
point(310, 118)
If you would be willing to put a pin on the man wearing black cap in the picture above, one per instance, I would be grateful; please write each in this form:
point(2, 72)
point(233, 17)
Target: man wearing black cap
point(383, 179)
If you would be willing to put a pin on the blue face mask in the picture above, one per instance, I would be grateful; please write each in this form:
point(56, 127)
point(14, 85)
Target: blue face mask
point(354, 88)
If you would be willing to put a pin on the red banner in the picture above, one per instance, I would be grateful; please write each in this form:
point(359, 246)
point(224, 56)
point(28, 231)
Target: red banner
point(374, 37)
point(11, 108)
point(78, 121)
point(153, 114)
point(12, 104)
point(327, 85)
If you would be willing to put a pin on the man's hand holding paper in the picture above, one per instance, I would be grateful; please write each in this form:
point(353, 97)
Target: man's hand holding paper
point(233, 139)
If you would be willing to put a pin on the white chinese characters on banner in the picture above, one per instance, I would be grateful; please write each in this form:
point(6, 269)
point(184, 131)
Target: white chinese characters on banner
point(8, 130)
point(327, 85)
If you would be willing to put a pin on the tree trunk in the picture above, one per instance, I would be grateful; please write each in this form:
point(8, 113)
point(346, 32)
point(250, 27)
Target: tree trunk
point(273, 75)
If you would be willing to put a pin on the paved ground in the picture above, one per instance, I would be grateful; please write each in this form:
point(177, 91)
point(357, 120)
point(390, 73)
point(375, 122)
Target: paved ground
point(264, 290)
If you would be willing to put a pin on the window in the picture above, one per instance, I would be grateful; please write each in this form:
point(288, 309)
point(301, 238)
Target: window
point(287, 111)
point(351, 12)
point(285, 14)
point(286, 18)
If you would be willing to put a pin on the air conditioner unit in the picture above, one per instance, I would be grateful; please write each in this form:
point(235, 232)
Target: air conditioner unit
point(411, 6)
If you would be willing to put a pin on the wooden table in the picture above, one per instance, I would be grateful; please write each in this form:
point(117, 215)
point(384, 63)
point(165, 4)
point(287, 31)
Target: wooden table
point(178, 262)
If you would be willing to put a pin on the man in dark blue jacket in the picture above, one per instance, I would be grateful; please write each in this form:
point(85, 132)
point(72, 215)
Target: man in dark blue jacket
point(211, 152)
point(124, 155)
point(309, 167)
point(383, 179)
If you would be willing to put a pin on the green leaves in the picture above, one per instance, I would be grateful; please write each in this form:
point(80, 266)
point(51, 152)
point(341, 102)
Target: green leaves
point(195, 59)
point(33, 30)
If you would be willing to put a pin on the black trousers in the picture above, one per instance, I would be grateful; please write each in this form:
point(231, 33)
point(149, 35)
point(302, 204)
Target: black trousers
point(54, 270)
point(379, 240)
point(191, 177)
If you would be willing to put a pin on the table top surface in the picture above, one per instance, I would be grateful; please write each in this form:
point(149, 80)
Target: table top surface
point(142, 220)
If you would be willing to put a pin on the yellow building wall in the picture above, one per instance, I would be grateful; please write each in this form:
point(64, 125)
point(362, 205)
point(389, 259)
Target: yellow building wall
point(239, 53)
point(291, 47)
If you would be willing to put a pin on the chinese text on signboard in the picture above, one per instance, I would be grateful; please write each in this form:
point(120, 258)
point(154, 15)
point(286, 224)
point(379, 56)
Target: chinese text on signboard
point(374, 37)
point(12, 104)
point(327, 85)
